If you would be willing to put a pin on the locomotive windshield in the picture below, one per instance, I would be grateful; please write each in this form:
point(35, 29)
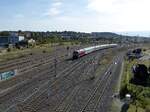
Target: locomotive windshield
point(75, 54)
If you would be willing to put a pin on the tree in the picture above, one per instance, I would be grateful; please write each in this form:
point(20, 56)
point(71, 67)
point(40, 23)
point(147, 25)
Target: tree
point(4, 33)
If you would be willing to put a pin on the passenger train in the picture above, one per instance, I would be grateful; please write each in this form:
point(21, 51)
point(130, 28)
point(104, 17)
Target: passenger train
point(85, 51)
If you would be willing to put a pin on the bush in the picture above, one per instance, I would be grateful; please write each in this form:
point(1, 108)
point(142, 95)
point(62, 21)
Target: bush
point(9, 50)
point(140, 94)
point(61, 43)
point(132, 108)
point(147, 108)
point(144, 50)
point(123, 91)
point(44, 51)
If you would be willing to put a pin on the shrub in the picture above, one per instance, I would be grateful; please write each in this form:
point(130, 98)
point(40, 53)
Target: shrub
point(9, 49)
point(123, 91)
point(44, 51)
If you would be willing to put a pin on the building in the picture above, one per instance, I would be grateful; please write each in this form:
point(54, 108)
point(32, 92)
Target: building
point(13, 39)
point(3, 40)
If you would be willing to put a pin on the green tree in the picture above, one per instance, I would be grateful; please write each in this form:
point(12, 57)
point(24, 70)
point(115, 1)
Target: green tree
point(4, 33)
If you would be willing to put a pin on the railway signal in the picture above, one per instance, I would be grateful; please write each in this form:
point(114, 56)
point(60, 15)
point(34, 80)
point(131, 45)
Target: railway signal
point(55, 74)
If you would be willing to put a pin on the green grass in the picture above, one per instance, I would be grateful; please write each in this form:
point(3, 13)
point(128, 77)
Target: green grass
point(133, 108)
point(16, 53)
point(140, 94)
point(116, 106)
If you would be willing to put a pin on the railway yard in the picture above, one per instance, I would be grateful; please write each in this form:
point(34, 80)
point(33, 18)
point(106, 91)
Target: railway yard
point(53, 82)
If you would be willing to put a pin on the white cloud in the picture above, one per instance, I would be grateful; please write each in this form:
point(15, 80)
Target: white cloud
point(95, 15)
point(54, 10)
point(57, 4)
point(101, 6)
point(19, 16)
point(123, 14)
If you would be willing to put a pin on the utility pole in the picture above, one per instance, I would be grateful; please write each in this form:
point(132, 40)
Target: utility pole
point(55, 63)
point(55, 67)
point(94, 60)
point(68, 50)
point(55, 73)
point(94, 66)
point(55, 70)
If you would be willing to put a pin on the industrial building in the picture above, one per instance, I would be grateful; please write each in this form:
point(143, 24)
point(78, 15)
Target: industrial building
point(12, 39)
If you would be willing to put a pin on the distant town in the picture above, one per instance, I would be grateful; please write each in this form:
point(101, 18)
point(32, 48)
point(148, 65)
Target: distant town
point(21, 37)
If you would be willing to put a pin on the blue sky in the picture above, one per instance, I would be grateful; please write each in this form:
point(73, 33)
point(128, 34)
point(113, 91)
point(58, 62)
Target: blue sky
point(75, 15)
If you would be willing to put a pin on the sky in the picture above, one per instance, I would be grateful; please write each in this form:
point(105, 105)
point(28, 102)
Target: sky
point(75, 15)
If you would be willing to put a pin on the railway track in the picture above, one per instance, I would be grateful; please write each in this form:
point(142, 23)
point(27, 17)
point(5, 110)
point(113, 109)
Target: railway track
point(60, 87)
point(27, 80)
point(29, 74)
point(84, 96)
point(24, 59)
point(105, 103)
point(97, 95)
point(41, 65)
point(87, 98)
point(27, 87)
point(33, 59)
point(75, 81)
point(61, 80)
point(22, 62)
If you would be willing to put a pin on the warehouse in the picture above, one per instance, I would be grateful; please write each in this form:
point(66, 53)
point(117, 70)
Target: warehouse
point(13, 39)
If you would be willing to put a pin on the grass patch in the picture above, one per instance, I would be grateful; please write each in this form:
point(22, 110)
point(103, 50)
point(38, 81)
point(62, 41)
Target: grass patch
point(133, 108)
point(140, 94)
point(16, 53)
